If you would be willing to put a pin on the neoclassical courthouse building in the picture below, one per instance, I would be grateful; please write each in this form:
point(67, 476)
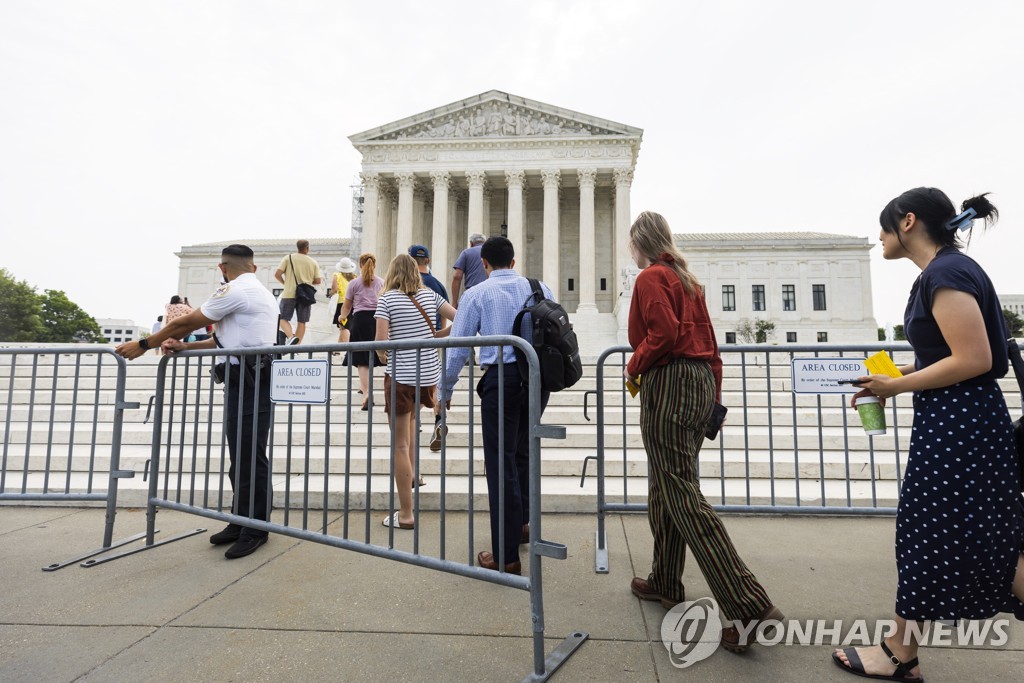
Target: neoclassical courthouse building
point(557, 183)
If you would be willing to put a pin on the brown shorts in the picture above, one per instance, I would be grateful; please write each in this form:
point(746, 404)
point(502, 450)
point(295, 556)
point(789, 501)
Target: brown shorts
point(405, 396)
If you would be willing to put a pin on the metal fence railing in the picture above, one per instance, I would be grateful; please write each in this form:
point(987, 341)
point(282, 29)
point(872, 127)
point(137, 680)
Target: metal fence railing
point(62, 431)
point(779, 451)
point(331, 467)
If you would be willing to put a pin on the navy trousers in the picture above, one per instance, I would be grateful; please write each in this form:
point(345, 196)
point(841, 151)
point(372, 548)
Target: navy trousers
point(507, 465)
point(250, 488)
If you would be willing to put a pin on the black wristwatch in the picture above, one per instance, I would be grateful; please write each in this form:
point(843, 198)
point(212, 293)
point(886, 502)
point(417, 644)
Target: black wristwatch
point(143, 344)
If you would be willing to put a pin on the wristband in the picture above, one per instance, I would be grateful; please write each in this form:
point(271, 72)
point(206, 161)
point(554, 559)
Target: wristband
point(143, 344)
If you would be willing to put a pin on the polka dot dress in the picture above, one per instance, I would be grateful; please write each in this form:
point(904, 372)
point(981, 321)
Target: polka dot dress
point(960, 524)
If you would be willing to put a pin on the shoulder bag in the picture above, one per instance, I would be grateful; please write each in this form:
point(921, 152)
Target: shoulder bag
point(1018, 425)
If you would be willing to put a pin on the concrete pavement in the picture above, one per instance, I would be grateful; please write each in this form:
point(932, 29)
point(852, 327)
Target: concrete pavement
point(300, 611)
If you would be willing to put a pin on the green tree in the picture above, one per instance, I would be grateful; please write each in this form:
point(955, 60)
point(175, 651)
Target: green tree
point(1014, 323)
point(65, 322)
point(897, 333)
point(20, 310)
point(755, 331)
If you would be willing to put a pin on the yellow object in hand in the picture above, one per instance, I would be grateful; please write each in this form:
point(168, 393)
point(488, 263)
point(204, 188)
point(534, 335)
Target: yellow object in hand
point(634, 386)
point(881, 364)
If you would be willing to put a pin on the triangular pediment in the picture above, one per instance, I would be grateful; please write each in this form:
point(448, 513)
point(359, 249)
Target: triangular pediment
point(496, 114)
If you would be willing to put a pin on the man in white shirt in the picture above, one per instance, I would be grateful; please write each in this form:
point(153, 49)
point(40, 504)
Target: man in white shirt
point(244, 314)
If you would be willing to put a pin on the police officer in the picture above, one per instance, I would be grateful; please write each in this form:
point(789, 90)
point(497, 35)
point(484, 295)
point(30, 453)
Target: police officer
point(244, 314)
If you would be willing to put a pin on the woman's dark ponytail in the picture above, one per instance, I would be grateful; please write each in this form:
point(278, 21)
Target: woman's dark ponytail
point(933, 208)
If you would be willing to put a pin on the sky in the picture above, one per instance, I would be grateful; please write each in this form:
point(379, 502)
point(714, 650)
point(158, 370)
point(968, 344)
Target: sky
point(129, 129)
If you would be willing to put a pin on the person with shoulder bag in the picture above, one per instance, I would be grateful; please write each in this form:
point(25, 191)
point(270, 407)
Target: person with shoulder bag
point(298, 273)
point(404, 311)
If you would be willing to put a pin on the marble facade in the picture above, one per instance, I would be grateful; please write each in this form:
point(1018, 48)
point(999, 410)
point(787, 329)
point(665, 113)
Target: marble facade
point(554, 181)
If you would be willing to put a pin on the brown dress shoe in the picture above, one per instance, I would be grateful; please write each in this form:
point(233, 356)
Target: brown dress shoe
point(486, 560)
point(525, 536)
point(731, 635)
point(642, 589)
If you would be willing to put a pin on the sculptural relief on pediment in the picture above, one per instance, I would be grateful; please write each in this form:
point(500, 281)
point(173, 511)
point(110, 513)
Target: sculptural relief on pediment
point(497, 120)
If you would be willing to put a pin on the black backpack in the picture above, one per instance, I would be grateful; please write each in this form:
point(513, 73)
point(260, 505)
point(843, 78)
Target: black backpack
point(552, 338)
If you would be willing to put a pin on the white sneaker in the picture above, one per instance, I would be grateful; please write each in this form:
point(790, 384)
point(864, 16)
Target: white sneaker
point(292, 341)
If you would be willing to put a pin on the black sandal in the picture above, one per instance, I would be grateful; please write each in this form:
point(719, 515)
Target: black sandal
point(856, 667)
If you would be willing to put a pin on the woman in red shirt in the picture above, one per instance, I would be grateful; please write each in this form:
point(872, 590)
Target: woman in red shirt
point(675, 357)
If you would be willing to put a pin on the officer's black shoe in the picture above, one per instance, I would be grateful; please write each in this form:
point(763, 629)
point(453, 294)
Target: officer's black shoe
point(245, 546)
point(229, 534)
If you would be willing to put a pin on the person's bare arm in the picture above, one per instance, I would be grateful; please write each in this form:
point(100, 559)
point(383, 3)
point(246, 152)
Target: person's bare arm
point(456, 285)
point(383, 331)
point(279, 275)
point(963, 327)
point(176, 329)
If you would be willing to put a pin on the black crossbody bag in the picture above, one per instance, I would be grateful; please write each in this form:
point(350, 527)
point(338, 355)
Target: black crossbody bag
point(1018, 425)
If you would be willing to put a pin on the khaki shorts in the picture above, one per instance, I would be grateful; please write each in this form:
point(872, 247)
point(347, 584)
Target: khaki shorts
point(405, 396)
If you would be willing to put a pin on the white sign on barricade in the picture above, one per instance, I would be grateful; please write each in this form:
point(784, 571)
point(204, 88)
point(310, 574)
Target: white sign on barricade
point(822, 375)
point(300, 381)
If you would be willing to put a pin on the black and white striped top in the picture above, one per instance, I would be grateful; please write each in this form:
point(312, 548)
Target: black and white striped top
point(406, 322)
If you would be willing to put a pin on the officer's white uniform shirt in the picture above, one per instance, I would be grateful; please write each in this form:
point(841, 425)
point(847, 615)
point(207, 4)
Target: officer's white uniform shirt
point(245, 313)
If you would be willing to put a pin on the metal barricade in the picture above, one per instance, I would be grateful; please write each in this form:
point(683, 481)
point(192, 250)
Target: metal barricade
point(778, 453)
point(320, 461)
point(62, 430)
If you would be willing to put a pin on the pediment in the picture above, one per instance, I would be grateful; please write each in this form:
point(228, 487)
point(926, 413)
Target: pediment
point(496, 114)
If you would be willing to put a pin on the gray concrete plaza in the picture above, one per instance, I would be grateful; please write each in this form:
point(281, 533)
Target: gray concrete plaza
point(300, 611)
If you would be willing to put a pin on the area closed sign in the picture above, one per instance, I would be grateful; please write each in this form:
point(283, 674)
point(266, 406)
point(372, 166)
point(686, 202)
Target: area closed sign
point(300, 381)
point(822, 375)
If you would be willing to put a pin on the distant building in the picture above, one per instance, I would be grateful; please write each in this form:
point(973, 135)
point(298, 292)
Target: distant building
point(198, 274)
point(119, 330)
point(815, 287)
point(1013, 303)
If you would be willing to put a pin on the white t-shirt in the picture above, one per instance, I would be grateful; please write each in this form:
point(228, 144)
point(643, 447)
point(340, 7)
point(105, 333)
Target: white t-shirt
point(245, 313)
point(406, 322)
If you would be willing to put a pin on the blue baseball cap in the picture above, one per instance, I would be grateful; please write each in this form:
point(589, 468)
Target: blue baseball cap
point(419, 251)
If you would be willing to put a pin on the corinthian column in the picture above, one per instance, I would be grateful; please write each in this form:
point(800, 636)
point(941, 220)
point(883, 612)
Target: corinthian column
point(475, 215)
point(514, 180)
point(551, 178)
point(623, 180)
point(588, 250)
point(403, 233)
point(439, 247)
point(371, 197)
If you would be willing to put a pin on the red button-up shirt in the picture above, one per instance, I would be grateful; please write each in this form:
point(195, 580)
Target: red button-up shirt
point(666, 323)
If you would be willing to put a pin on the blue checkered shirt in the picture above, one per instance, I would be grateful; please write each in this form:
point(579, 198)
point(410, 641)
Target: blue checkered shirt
point(489, 308)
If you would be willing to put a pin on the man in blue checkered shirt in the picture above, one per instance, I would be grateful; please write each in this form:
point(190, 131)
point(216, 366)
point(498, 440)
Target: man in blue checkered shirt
point(490, 308)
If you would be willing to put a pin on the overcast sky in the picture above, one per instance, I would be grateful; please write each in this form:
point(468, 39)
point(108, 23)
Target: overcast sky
point(129, 129)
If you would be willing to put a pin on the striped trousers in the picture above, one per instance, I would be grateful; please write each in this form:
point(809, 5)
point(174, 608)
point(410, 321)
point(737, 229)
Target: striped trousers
point(675, 405)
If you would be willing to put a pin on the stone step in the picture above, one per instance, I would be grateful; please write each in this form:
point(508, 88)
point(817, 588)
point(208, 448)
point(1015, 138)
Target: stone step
point(558, 494)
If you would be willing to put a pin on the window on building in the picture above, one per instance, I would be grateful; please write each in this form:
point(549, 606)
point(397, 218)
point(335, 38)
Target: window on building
point(728, 297)
point(730, 337)
point(791, 337)
point(823, 336)
point(819, 297)
point(572, 284)
point(277, 292)
point(789, 297)
point(604, 284)
point(757, 294)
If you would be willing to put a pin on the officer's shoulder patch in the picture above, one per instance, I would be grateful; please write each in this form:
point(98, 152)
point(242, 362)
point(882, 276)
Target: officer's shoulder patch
point(221, 291)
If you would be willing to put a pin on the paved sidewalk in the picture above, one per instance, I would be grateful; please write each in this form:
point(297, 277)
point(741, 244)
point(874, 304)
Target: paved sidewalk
point(300, 611)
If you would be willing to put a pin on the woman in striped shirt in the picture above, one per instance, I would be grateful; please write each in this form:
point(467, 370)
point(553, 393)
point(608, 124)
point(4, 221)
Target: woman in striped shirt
point(406, 310)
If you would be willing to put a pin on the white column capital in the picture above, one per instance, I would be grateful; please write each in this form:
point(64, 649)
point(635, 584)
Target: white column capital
point(370, 180)
point(587, 177)
point(551, 177)
point(623, 177)
point(406, 180)
point(515, 178)
point(441, 179)
point(476, 180)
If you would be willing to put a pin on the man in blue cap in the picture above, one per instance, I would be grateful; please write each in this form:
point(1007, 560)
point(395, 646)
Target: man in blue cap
point(421, 255)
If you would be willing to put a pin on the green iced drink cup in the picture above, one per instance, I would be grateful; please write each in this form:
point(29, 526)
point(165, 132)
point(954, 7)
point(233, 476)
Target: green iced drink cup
point(872, 416)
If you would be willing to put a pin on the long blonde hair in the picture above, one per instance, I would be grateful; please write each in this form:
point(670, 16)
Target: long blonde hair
point(403, 275)
point(651, 236)
point(367, 267)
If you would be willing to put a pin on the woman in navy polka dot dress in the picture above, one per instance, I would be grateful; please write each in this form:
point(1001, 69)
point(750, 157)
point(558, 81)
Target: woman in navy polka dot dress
point(960, 523)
